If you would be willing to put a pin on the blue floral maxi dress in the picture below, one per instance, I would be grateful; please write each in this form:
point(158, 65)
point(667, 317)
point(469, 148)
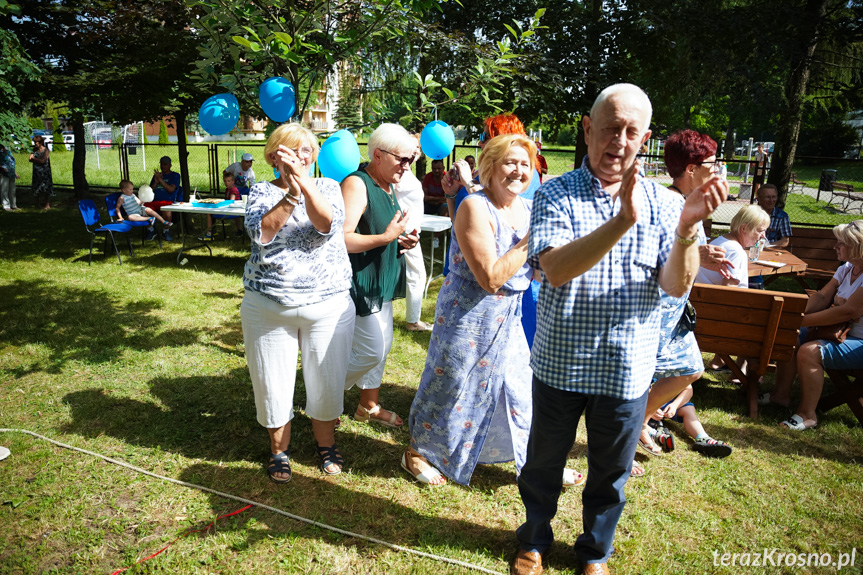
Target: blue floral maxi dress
point(474, 402)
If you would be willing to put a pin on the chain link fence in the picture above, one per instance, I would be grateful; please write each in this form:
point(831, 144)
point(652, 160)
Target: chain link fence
point(109, 161)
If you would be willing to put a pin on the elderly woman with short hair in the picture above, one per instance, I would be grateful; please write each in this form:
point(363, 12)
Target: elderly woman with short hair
point(839, 301)
point(375, 235)
point(297, 283)
point(748, 226)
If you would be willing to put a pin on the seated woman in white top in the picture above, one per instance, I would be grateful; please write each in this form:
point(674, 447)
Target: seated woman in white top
point(747, 227)
point(839, 301)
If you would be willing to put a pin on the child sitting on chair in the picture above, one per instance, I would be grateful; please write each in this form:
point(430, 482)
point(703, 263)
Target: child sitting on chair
point(231, 193)
point(681, 410)
point(135, 210)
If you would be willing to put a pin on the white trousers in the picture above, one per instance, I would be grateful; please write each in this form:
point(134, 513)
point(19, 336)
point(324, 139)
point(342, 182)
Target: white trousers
point(415, 273)
point(274, 334)
point(8, 187)
point(373, 338)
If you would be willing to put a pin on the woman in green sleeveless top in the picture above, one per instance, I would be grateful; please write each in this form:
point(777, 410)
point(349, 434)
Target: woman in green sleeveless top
point(375, 235)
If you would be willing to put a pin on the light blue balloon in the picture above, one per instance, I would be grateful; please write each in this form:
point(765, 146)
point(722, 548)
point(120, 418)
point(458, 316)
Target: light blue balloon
point(219, 114)
point(277, 98)
point(339, 156)
point(437, 140)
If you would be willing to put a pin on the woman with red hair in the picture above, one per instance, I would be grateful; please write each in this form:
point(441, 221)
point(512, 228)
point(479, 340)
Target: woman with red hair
point(690, 158)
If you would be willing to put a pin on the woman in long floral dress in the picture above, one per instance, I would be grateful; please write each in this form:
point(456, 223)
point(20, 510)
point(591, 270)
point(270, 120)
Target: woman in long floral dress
point(43, 184)
point(474, 403)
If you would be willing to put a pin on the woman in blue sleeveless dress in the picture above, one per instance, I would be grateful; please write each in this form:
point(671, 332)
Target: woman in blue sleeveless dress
point(474, 403)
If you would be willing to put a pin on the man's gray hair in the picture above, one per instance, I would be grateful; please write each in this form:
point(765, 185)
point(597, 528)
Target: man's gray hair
point(630, 91)
point(391, 138)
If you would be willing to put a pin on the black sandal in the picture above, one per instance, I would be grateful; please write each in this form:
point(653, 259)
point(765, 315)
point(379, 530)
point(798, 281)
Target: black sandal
point(279, 463)
point(330, 456)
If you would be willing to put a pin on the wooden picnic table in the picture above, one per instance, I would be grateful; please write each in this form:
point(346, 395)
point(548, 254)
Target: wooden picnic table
point(791, 263)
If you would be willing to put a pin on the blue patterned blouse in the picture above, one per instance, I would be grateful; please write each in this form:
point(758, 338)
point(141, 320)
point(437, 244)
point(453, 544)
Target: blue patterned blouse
point(301, 265)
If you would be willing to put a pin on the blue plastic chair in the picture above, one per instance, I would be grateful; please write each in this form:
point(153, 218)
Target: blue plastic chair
point(91, 220)
point(111, 204)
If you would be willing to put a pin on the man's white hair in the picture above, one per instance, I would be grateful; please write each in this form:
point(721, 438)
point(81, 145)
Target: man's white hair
point(391, 138)
point(629, 91)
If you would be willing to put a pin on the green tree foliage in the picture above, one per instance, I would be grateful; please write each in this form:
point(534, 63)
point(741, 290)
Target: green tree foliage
point(16, 70)
point(124, 61)
point(163, 133)
point(349, 104)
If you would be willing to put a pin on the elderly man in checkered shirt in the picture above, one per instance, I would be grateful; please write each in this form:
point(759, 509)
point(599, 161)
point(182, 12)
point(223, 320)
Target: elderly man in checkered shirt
point(606, 240)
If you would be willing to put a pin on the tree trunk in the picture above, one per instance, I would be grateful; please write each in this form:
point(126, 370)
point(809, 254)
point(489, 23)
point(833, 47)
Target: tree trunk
point(79, 158)
point(591, 88)
point(791, 113)
point(183, 152)
point(729, 140)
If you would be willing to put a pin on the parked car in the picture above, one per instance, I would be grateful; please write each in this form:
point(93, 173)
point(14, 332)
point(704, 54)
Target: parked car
point(69, 139)
point(103, 138)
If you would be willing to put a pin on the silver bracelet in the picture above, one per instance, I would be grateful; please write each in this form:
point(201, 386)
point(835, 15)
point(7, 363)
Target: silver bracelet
point(685, 241)
point(290, 201)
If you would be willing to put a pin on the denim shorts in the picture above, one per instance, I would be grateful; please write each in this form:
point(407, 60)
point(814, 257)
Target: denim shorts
point(845, 355)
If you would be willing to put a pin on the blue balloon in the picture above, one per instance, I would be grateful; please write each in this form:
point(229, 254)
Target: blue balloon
point(219, 114)
point(277, 99)
point(339, 156)
point(437, 140)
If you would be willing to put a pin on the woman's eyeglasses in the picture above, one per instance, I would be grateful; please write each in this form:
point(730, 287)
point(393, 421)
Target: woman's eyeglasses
point(401, 159)
point(304, 152)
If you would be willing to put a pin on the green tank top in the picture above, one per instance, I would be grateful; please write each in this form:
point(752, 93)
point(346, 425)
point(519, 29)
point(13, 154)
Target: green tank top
point(379, 273)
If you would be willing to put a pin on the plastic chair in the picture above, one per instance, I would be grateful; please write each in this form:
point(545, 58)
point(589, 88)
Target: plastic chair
point(243, 192)
point(111, 204)
point(91, 220)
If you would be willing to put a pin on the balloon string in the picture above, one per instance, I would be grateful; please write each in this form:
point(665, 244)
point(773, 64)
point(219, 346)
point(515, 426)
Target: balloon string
point(435, 111)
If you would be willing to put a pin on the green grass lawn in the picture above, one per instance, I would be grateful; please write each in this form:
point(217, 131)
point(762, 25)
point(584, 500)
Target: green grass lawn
point(144, 362)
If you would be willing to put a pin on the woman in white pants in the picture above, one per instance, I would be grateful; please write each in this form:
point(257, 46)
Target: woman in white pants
point(376, 232)
point(409, 194)
point(297, 282)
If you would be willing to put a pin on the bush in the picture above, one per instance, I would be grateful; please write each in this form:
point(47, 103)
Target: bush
point(163, 133)
point(59, 146)
point(566, 137)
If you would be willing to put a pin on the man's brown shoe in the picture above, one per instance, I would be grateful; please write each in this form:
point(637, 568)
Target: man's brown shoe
point(527, 563)
point(596, 569)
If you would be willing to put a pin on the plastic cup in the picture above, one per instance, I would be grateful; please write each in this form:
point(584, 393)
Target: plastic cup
point(754, 252)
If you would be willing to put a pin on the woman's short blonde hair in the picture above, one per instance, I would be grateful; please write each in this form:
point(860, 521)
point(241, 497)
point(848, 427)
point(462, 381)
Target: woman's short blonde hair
point(495, 150)
point(750, 216)
point(391, 138)
point(852, 236)
point(293, 136)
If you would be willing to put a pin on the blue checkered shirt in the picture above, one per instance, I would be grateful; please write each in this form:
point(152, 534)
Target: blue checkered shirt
point(780, 226)
point(599, 333)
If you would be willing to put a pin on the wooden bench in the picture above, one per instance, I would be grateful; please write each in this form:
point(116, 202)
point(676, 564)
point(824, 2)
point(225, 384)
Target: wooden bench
point(750, 323)
point(815, 247)
point(847, 195)
point(795, 183)
point(847, 392)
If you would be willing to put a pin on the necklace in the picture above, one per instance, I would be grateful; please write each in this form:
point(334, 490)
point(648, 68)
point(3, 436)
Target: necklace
point(675, 188)
point(390, 194)
point(855, 275)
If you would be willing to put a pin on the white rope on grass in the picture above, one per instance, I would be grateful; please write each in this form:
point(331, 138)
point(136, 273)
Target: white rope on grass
point(261, 505)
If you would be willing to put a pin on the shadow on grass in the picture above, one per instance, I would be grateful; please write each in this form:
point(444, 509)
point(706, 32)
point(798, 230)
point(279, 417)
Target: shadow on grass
point(80, 324)
point(765, 433)
point(328, 501)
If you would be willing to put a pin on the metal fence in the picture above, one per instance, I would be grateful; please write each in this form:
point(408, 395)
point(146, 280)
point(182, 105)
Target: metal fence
point(108, 163)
